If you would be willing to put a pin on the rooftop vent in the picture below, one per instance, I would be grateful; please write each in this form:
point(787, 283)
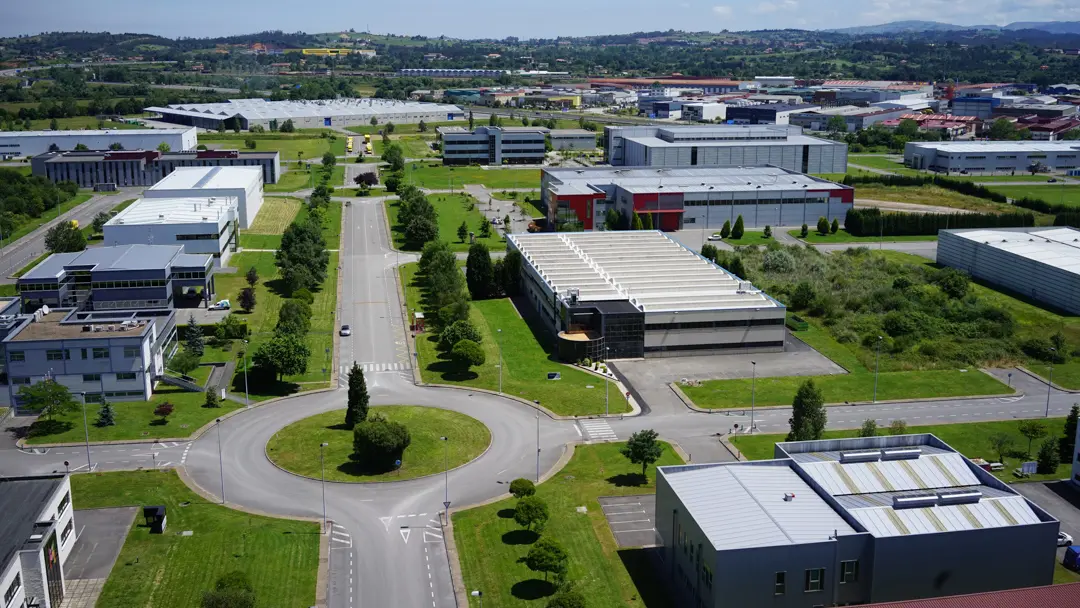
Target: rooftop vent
point(862, 456)
point(913, 502)
point(959, 498)
point(901, 453)
point(36, 537)
point(789, 496)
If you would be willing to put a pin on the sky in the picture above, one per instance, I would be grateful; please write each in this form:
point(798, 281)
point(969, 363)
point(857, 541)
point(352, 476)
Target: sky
point(502, 18)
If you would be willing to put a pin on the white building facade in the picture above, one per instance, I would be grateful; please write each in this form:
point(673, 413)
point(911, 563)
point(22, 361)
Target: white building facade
point(39, 534)
point(245, 184)
point(205, 225)
point(992, 156)
point(31, 143)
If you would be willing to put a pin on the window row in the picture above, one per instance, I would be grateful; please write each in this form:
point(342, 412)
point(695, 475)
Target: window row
point(713, 324)
point(189, 275)
point(101, 352)
point(130, 284)
point(198, 237)
point(727, 202)
point(24, 287)
point(121, 376)
point(814, 578)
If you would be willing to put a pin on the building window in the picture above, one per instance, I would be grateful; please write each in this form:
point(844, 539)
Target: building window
point(780, 585)
point(64, 502)
point(68, 529)
point(130, 352)
point(54, 355)
point(13, 589)
point(91, 377)
point(849, 571)
point(815, 580)
point(707, 575)
point(17, 356)
point(101, 353)
point(125, 375)
point(20, 380)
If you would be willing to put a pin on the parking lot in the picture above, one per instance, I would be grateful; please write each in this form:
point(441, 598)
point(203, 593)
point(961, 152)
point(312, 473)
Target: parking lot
point(101, 535)
point(631, 519)
point(1058, 498)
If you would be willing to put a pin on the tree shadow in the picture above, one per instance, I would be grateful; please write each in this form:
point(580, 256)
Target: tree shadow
point(506, 513)
point(520, 537)
point(42, 428)
point(159, 422)
point(532, 589)
point(279, 287)
point(628, 480)
point(341, 426)
point(644, 567)
point(356, 468)
point(448, 370)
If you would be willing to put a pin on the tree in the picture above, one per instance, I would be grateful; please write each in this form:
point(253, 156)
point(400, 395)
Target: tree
point(302, 256)
point(823, 226)
point(374, 121)
point(908, 128)
point(725, 231)
point(898, 427)
point(458, 331)
point(869, 428)
point(635, 222)
point(421, 127)
point(162, 411)
point(479, 272)
point(1048, 459)
point(549, 557)
point(462, 231)
point(421, 230)
point(294, 317)
point(835, 226)
point(511, 273)
point(836, 124)
point(48, 398)
point(81, 147)
point(952, 281)
point(393, 156)
point(247, 299)
point(213, 397)
point(54, 125)
point(738, 229)
point(808, 415)
point(611, 219)
point(467, 353)
point(106, 415)
point(1002, 129)
point(379, 443)
point(642, 448)
point(252, 277)
point(737, 268)
point(98, 224)
point(193, 337)
point(768, 231)
point(184, 362)
point(164, 147)
point(64, 238)
point(804, 231)
point(802, 296)
point(1031, 430)
point(485, 228)
point(282, 355)
point(287, 126)
point(1001, 443)
point(117, 146)
point(531, 512)
point(1067, 442)
point(470, 120)
point(521, 487)
point(357, 401)
point(506, 223)
point(569, 598)
point(646, 221)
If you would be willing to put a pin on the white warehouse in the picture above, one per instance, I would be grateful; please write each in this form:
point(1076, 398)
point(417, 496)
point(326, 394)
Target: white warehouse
point(245, 184)
point(200, 225)
point(991, 156)
point(307, 114)
point(31, 143)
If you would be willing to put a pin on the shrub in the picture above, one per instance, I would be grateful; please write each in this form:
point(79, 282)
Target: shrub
point(805, 231)
point(803, 295)
point(738, 229)
point(823, 226)
point(378, 442)
point(522, 487)
point(456, 332)
point(467, 353)
point(531, 513)
point(778, 260)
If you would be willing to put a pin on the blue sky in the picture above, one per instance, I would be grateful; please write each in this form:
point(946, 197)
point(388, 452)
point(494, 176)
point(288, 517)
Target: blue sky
point(500, 18)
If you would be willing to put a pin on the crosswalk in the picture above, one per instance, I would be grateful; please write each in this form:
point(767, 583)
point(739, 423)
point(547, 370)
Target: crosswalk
point(385, 367)
point(597, 430)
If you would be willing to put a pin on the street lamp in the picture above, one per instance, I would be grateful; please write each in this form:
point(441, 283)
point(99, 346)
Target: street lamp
point(498, 340)
point(221, 461)
point(479, 594)
point(322, 467)
point(86, 431)
point(247, 396)
point(1050, 384)
point(537, 402)
point(607, 384)
point(877, 356)
point(446, 471)
point(753, 393)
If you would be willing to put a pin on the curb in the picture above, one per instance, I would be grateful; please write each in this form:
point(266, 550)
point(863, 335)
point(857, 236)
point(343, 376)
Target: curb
point(1043, 380)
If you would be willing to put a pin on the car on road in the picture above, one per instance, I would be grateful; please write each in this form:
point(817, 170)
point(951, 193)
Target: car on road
point(715, 236)
point(345, 330)
point(1052, 180)
point(496, 221)
point(1064, 540)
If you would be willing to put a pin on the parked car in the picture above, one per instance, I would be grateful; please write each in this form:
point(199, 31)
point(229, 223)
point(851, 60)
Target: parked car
point(1064, 540)
point(345, 331)
point(1052, 180)
point(715, 236)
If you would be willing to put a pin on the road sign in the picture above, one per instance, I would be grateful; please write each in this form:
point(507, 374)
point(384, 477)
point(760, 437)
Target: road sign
point(397, 463)
point(446, 505)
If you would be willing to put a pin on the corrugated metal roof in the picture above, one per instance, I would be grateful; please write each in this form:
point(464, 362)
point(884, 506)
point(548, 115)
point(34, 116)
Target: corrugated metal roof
point(987, 513)
point(946, 470)
point(1057, 247)
point(1050, 596)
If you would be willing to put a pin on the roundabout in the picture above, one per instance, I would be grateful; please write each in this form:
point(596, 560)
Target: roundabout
point(295, 448)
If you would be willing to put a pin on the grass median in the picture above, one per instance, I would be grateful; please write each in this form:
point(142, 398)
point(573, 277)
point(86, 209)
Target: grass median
point(1051, 193)
point(442, 177)
point(452, 209)
point(491, 545)
point(843, 236)
point(280, 557)
point(296, 447)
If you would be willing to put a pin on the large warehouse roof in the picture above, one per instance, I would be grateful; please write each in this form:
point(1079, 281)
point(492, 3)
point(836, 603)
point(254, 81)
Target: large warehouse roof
point(189, 210)
point(1056, 247)
point(97, 132)
point(790, 140)
point(955, 147)
point(648, 268)
point(261, 109)
point(196, 178)
point(715, 180)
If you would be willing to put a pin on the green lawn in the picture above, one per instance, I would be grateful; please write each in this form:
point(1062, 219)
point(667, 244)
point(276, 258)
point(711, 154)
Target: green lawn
point(969, 438)
point(452, 209)
point(301, 179)
point(296, 447)
point(842, 236)
point(440, 177)
point(887, 163)
point(49, 215)
point(8, 291)
point(307, 145)
point(30, 265)
point(280, 557)
point(1063, 575)
point(927, 195)
point(526, 360)
point(491, 546)
point(404, 128)
point(1051, 193)
point(134, 419)
point(749, 237)
point(413, 146)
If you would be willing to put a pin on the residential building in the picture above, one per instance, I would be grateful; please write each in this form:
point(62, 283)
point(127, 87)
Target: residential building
point(691, 198)
point(112, 169)
point(35, 540)
point(346, 112)
point(991, 156)
point(766, 113)
point(1039, 263)
point(723, 146)
point(31, 143)
point(492, 145)
point(201, 225)
point(846, 521)
point(245, 184)
point(641, 293)
point(572, 139)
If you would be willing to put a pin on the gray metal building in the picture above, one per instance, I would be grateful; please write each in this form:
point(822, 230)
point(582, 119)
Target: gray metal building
point(572, 139)
point(1039, 263)
point(32, 143)
point(723, 146)
point(847, 521)
point(991, 156)
point(144, 167)
point(307, 114)
point(492, 145)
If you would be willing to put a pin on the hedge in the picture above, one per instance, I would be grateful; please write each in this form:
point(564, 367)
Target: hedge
point(956, 185)
point(1071, 218)
point(872, 222)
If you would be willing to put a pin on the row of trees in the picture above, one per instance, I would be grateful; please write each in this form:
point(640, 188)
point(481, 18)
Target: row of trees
point(23, 197)
point(486, 279)
point(871, 221)
point(417, 217)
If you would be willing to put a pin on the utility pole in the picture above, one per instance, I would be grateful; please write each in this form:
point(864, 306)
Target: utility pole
point(753, 393)
point(322, 467)
point(221, 461)
point(877, 356)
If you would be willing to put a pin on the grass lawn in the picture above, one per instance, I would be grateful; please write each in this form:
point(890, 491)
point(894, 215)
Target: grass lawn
point(1051, 193)
point(413, 147)
point(926, 195)
point(8, 291)
point(491, 546)
point(889, 163)
point(437, 176)
point(526, 360)
point(134, 419)
point(298, 178)
point(842, 236)
point(49, 214)
point(885, 163)
point(452, 209)
point(749, 237)
point(306, 145)
point(274, 217)
point(279, 556)
point(296, 447)
point(969, 438)
point(1063, 575)
point(404, 128)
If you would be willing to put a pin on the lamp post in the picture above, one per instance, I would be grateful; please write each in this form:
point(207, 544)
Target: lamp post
point(479, 594)
point(1050, 384)
point(753, 393)
point(537, 402)
point(498, 340)
point(322, 468)
point(607, 384)
point(877, 356)
point(247, 396)
point(86, 431)
point(221, 461)
point(446, 469)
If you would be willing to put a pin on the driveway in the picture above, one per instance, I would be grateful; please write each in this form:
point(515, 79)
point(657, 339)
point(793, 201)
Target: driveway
point(102, 533)
point(1058, 498)
point(631, 519)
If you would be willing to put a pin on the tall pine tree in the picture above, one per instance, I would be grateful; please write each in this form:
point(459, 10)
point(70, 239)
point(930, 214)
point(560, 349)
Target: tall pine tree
point(358, 397)
point(738, 229)
point(193, 338)
point(808, 416)
point(106, 416)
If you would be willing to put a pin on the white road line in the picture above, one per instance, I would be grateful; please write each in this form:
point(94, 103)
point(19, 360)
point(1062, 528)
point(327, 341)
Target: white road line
point(632, 521)
point(641, 530)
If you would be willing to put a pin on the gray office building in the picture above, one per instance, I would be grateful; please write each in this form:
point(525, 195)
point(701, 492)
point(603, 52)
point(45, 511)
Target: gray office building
point(1038, 263)
point(991, 156)
point(847, 521)
point(723, 146)
point(492, 145)
point(144, 167)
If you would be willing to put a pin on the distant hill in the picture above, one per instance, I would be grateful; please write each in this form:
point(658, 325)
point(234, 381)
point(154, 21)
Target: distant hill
point(1054, 27)
point(914, 27)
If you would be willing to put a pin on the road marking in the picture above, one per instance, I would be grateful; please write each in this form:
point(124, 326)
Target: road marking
point(598, 430)
point(632, 521)
point(428, 535)
point(386, 522)
point(375, 368)
point(405, 534)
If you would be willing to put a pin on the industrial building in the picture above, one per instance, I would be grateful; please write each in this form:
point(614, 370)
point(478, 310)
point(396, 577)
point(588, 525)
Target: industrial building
point(245, 184)
point(847, 521)
point(492, 145)
point(1038, 263)
point(572, 139)
point(991, 156)
point(452, 72)
point(704, 111)
point(306, 114)
point(31, 143)
point(854, 117)
point(692, 198)
point(766, 113)
point(203, 225)
point(705, 85)
point(36, 538)
point(723, 146)
point(641, 294)
point(110, 169)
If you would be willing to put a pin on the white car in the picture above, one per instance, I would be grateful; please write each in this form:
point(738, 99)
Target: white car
point(345, 331)
point(715, 236)
point(1064, 540)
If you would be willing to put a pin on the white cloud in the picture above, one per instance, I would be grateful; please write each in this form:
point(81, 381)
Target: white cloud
point(722, 10)
point(774, 7)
